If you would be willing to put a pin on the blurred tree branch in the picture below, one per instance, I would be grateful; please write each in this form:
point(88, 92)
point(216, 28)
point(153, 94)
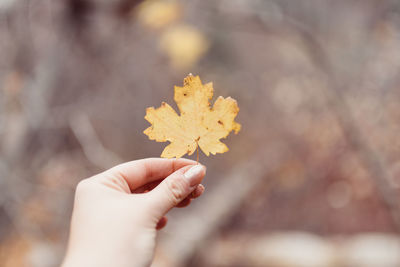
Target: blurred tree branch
point(92, 147)
point(355, 138)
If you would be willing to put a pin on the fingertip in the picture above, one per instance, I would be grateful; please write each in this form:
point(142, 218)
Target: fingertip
point(201, 188)
point(198, 191)
point(194, 174)
point(181, 162)
point(184, 203)
point(162, 223)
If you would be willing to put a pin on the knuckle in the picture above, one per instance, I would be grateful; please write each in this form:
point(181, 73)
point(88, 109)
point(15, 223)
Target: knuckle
point(176, 189)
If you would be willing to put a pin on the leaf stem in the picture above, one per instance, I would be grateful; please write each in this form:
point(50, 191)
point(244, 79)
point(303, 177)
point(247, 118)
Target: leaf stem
point(197, 153)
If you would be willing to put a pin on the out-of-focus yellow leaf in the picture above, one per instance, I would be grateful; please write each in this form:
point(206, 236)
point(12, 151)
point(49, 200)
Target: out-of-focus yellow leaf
point(184, 45)
point(156, 14)
point(199, 124)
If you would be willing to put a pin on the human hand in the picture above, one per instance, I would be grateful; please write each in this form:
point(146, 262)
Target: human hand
point(117, 213)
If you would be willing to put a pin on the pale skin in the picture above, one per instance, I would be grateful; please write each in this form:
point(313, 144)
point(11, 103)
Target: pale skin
point(117, 213)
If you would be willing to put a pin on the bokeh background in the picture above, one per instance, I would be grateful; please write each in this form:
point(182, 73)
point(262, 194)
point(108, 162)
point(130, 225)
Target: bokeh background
point(312, 179)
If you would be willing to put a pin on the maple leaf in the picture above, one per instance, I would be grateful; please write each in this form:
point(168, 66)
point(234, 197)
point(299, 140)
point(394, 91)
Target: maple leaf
point(198, 125)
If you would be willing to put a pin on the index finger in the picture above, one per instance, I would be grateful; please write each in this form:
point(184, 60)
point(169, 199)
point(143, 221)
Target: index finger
point(140, 172)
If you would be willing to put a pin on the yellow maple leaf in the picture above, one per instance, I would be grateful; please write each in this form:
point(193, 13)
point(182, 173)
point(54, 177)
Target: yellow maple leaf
point(198, 125)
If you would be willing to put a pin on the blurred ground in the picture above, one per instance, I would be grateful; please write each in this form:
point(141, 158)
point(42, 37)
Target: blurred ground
point(315, 168)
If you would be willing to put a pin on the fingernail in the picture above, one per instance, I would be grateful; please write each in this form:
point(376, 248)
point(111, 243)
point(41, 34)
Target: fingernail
point(194, 173)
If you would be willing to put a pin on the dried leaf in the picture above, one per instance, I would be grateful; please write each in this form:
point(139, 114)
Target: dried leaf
point(198, 123)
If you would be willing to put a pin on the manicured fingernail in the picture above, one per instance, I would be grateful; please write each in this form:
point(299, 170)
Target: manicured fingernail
point(194, 173)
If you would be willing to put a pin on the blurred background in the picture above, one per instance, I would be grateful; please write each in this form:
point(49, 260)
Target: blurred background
point(312, 179)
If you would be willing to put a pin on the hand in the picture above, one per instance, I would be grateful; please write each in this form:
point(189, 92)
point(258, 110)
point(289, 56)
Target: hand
point(117, 212)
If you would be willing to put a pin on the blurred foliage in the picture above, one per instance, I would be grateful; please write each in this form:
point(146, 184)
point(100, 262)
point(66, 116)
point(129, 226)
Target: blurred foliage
point(184, 45)
point(157, 14)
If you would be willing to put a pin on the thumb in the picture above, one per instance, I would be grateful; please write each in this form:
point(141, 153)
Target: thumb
point(175, 188)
